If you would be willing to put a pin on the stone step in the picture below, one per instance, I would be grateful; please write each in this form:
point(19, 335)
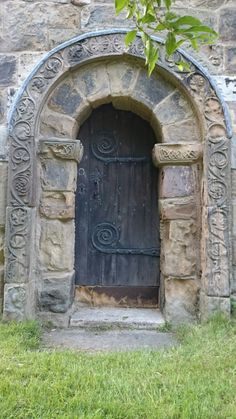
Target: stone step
point(108, 340)
point(112, 317)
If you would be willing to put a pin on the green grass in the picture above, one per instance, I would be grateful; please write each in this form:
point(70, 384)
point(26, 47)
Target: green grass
point(195, 380)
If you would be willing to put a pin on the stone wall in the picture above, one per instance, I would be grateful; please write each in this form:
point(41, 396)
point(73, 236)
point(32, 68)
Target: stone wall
point(30, 28)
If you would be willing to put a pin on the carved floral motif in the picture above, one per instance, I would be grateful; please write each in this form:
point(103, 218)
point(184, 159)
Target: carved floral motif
point(176, 154)
point(69, 150)
point(18, 242)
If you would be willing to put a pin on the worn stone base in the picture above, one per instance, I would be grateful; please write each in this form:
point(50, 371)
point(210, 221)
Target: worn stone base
point(212, 305)
point(181, 300)
point(108, 317)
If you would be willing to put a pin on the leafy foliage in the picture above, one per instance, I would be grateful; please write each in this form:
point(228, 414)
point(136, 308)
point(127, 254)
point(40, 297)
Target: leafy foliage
point(152, 17)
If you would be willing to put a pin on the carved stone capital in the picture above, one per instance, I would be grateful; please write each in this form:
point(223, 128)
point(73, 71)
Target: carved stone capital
point(65, 149)
point(176, 154)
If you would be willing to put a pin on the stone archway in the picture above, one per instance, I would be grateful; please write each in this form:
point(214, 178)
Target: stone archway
point(187, 116)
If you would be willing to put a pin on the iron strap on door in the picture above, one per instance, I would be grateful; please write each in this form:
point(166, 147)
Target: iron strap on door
point(106, 144)
point(105, 238)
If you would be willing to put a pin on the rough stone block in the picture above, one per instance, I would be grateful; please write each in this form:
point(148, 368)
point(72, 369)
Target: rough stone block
point(57, 245)
point(176, 182)
point(57, 294)
point(234, 250)
point(178, 209)
point(7, 70)
point(233, 281)
point(122, 77)
point(58, 205)
point(62, 16)
point(180, 249)
point(151, 90)
point(184, 131)
point(173, 109)
point(227, 28)
point(58, 175)
point(58, 36)
point(212, 305)
point(3, 105)
point(14, 302)
point(27, 61)
point(181, 300)
point(230, 59)
point(54, 124)
point(100, 16)
point(3, 191)
point(22, 30)
point(93, 84)
point(203, 4)
point(2, 239)
point(65, 99)
point(227, 86)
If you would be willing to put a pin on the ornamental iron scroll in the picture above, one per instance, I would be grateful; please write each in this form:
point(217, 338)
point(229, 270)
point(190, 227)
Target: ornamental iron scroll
point(105, 239)
point(105, 146)
point(176, 154)
point(23, 125)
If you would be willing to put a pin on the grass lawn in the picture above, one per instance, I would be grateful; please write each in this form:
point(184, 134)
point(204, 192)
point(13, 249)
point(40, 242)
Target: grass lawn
point(195, 380)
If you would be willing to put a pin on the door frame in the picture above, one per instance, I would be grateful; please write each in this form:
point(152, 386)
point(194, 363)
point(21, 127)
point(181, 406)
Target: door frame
point(35, 127)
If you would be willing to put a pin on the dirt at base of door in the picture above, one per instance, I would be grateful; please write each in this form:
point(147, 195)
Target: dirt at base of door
point(145, 297)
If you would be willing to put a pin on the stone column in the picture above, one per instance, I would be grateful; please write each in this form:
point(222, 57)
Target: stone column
point(180, 228)
point(59, 158)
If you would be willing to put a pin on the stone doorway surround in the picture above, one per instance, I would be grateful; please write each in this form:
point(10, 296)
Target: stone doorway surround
point(192, 150)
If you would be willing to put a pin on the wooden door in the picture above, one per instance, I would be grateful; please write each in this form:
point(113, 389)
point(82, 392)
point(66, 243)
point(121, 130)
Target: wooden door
point(117, 234)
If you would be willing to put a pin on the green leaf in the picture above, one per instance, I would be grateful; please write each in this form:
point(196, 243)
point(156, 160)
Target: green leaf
point(152, 60)
point(194, 44)
point(202, 28)
point(148, 18)
point(130, 36)
point(168, 4)
point(120, 5)
point(170, 43)
point(170, 16)
point(160, 27)
point(187, 20)
point(183, 66)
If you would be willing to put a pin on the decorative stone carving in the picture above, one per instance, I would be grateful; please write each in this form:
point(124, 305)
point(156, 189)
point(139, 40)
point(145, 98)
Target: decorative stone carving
point(68, 150)
point(22, 160)
point(18, 242)
point(218, 283)
point(14, 302)
point(21, 135)
point(176, 154)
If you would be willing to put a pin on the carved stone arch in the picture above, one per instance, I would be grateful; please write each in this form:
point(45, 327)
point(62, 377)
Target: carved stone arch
point(44, 121)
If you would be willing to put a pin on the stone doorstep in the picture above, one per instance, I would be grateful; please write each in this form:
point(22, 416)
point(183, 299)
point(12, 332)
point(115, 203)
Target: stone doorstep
point(108, 340)
point(124, 318)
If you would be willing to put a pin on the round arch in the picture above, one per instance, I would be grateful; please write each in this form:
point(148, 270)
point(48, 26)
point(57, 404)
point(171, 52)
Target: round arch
point(55, 100)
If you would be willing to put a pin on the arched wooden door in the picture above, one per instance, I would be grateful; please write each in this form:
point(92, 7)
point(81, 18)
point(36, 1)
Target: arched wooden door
point(117, 228)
